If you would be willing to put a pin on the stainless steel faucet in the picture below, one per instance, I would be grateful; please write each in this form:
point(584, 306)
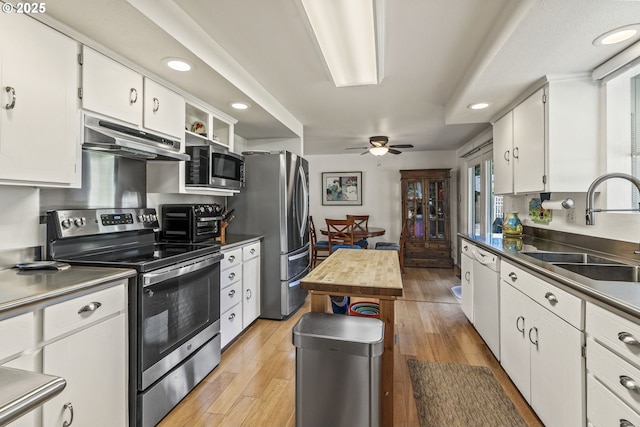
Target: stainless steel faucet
point(592, 190)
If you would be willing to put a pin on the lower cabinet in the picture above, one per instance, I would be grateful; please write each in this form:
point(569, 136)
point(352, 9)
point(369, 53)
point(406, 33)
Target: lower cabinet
point(540, 351)
point(239, 290)
point(466, 278)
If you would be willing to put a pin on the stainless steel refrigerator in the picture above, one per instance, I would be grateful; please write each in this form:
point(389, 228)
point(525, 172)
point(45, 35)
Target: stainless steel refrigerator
point(275, 204)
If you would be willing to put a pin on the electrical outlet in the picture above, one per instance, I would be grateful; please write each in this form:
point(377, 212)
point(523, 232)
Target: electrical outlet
point(571, 216)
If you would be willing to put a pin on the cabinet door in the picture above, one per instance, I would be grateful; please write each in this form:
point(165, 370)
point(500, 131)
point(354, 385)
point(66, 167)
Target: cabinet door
point(414, 209)
point(164, 110)
point(39, 78)
point(467, 283)
point(557, 369)
point(94, 363)
point(110, 88)
point(514, 340)
point(250, 291)
point(502, 154)
point(529, 144)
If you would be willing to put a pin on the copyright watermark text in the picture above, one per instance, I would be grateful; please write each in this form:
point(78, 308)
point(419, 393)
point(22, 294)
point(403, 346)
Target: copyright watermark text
point(29, 8)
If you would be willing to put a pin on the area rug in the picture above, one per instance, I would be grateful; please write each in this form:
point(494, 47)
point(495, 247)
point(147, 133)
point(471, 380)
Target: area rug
point(460, 395)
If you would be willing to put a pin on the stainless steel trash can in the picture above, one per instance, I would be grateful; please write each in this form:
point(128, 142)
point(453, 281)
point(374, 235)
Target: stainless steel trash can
point(338, 365)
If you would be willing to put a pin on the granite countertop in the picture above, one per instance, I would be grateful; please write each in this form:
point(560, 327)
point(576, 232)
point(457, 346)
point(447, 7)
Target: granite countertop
point(18, 288)
point(624, 296)
point(233, 240)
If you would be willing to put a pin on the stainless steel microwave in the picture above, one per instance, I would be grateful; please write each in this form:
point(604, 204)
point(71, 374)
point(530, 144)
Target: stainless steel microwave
point(214, 167)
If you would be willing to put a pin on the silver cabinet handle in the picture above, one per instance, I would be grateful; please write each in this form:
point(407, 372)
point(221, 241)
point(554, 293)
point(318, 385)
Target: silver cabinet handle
point(467, 276)
point(629, 383)
point(90, 307)
point(252, 251)
point(232, 292)
point(156, 105)
point(513, 276)
point(248, 294)
point(232, 275)
point(518, 324)
point(627, 338)
point(12, 104)
point(516, 152)
point(232, 316)
point(133, 96)
point(506, 155)
point(625, 423)
point(551, 298)
point(532, 341)
point(465, 247)
point(70, 408)
point(232, 258)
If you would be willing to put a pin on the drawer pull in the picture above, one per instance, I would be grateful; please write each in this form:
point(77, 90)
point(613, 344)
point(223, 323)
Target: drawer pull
point(629, 383)
point(12, 91)
point(627, 338)
point(466, 248)
point(232, 258)
point(133, 96)
point(551, 298)
point(513, 276)
point(532, 341)
point(467, 276)
point(232, 316)
point(232, 275)
point(70, 408)
point(252, 251)
point(625, 423)
point(518, 324)
point(232, 292)
point(90, 307)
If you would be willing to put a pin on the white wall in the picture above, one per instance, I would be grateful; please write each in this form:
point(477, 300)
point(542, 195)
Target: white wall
point(381, 187)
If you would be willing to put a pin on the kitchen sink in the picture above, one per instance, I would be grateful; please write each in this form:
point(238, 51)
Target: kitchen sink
point(616, 273)
point(570, 257)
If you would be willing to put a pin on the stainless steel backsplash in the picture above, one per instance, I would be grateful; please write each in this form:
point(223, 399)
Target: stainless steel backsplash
point(108, 181)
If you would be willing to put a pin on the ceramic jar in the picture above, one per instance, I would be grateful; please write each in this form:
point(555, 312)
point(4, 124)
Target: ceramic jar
point(511, 224)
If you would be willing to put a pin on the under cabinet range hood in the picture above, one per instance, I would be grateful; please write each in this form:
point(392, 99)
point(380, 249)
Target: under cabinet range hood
point(114, 138)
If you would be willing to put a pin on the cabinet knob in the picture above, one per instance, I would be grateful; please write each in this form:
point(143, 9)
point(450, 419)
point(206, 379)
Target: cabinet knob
point(513, 276)
point(232, 316)
point(629, 383)
point(12, 104)
point(551, 298)
point(232, 275)
point(627, 338)
point(253, 251)
point(70, 408)
point(232, 292)
point(133, 96)
point(232, 258)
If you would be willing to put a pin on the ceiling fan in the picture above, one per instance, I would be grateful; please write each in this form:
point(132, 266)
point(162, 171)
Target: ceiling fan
point(378, 146)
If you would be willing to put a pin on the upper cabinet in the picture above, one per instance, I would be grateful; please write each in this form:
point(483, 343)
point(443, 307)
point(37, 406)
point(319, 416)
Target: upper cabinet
point(203, 126)
point(548, 142)
point(111, 89)
point(38, 108)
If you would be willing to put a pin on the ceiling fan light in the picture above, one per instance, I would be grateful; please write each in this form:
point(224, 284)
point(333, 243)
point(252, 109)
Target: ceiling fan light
point(378, 151)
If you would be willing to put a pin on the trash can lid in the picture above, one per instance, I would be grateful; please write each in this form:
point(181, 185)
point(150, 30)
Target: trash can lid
point(355, 335)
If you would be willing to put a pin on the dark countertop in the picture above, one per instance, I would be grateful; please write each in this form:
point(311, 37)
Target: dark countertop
point(624, 296)
point(233, 240)
point(18, 288)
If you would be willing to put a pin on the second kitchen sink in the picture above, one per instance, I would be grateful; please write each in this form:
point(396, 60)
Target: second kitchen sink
point(570, 257)
point(615, 273)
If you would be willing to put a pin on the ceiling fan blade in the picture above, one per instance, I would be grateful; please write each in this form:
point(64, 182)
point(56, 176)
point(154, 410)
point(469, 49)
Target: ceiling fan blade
point(364, 152)
point(392, 151)
point(400, 146)
point(357, 148)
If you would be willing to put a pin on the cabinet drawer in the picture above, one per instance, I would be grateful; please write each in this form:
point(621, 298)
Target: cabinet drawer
point(231, 258)
point(230, 324)
point(251, 251)
point(568, 307)
point(610, 329)
point(604, 409)
point(230, 275)
point(230, 296)
point(16, 334)
point(612, 371)
point(79, 312)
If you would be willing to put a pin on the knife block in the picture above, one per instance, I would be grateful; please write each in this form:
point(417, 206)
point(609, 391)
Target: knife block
point(222, 237)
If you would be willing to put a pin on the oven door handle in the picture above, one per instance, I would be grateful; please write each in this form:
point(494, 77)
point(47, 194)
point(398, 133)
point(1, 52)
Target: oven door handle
point(149, 279)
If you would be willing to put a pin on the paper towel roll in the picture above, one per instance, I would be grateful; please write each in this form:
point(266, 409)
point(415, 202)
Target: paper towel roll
point(558, 204)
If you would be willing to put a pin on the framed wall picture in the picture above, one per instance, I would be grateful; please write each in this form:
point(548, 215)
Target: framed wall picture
point(341, 188)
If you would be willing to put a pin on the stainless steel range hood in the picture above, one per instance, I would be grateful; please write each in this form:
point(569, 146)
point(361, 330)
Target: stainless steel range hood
point(109, 137)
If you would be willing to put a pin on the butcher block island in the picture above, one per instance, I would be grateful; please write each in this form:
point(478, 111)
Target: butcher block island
point(367, 274)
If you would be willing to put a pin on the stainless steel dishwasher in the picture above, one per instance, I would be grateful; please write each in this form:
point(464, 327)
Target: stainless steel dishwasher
point(486, 298)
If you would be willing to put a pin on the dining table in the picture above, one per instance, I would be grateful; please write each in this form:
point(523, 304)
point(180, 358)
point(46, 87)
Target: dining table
point(360, 232)
point(367, 274)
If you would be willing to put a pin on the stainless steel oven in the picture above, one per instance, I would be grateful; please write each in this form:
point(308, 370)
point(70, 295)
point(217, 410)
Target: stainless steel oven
point(174, 306)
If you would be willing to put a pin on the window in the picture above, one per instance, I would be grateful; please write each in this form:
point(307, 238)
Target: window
point(484, 207)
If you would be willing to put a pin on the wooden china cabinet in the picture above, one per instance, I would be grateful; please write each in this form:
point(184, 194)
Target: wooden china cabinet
point(425, 206)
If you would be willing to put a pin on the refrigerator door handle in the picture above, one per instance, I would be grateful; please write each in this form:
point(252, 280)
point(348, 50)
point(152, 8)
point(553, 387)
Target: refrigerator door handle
point(302, 222)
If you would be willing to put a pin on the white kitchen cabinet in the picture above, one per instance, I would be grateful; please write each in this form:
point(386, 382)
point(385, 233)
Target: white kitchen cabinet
point(548, 142)
point(466, 278)
point(38, 119)
point(250, 283)
point(541, 352)
point(112, 89)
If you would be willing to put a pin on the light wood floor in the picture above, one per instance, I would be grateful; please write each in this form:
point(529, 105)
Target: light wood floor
point(254, 385)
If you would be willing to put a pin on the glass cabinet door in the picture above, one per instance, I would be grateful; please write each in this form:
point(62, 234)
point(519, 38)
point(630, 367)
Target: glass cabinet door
point(415, 209)
point(436, 210)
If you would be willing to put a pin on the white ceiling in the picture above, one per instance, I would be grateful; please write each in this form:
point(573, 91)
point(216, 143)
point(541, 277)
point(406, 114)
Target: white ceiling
point(440, 56)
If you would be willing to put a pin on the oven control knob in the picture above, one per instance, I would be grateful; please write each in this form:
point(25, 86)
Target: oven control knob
point(79, 222)
point(153, 217)
point(140, 218)
point(209, 209)
point(202, 209)
point(66, 223)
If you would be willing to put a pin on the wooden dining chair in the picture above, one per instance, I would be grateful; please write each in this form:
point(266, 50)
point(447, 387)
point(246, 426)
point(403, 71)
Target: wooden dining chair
point(361, 222)
point(340, 232)
point(319, 248)
point(392, 246)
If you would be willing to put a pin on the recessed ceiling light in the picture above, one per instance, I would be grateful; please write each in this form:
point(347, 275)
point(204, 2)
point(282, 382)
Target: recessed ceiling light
point(617, 35)
point(177, 64)
point(239, 105)
point(478, 106)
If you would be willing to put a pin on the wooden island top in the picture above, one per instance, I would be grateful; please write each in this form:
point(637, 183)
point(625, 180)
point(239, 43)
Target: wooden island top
point(366, 273)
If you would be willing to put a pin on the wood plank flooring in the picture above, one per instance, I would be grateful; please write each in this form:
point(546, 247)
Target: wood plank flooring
point(254, 385)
